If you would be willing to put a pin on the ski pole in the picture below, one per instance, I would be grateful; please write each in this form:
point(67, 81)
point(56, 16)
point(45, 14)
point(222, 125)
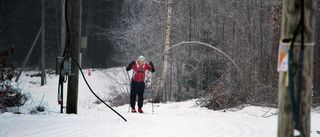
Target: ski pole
point(130, 80)
point(152, 92)
point(129, 91)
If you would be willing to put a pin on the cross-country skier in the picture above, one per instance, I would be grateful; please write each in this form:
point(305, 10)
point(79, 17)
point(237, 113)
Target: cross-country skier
point(137, 82)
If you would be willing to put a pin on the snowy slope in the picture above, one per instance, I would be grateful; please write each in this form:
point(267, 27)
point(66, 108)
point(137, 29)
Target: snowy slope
point(182, 119)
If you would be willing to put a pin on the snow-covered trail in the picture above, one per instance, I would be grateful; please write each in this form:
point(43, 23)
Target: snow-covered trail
point(169, 120)
point(181, 119)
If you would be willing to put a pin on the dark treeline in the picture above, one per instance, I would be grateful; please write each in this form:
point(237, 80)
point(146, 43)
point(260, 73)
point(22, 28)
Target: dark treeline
point(21, 20)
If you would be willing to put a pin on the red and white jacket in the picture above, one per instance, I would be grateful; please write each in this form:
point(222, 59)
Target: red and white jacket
point(139, 71)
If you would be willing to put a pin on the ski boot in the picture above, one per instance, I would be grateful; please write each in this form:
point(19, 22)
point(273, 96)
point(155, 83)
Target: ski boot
point(133, 110)
point(140, 110)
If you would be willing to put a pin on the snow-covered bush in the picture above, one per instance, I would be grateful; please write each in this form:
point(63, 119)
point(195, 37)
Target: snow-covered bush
point(221, 97)
point(119, 87)
point(9, 96)
point(118, 97)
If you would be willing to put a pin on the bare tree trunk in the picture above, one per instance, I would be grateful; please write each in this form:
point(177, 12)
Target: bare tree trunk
point(29, 53)
point(160, 86)
point(290, 20)
point(261, 72)
point(43, 61)
point(190, 26)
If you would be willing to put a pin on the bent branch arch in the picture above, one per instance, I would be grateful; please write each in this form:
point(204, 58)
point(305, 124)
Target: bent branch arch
point(205, 44)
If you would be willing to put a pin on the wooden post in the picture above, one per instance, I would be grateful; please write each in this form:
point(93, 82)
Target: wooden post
point(75, 31)
point(290, 20)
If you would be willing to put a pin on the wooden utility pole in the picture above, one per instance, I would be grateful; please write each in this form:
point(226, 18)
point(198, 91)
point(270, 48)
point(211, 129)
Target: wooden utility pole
point(63, 27)
point(160, 85)
point(73, 80)
point(43, 61)
point(290, 20)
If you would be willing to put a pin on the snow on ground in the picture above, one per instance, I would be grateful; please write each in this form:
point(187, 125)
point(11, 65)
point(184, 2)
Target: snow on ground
point(182, 119)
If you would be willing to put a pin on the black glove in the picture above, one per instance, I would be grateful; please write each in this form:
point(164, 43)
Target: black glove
point(152, 67)
point(151, 64)
point(131, 64)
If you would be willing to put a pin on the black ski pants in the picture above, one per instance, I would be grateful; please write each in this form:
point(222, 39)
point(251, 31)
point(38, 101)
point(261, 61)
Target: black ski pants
point(137, 88)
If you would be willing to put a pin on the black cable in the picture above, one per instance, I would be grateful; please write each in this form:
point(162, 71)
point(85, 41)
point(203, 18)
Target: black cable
point(302, 24)
point(89, 85)
point(295, 35)
point(300, 67)
point(66, 51)
point(295, 103)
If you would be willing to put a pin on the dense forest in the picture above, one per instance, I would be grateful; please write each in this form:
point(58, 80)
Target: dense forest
point(21, 20)
point(247, 31)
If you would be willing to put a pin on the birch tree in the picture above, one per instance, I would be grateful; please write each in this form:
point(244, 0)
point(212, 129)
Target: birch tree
point(160, 86)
